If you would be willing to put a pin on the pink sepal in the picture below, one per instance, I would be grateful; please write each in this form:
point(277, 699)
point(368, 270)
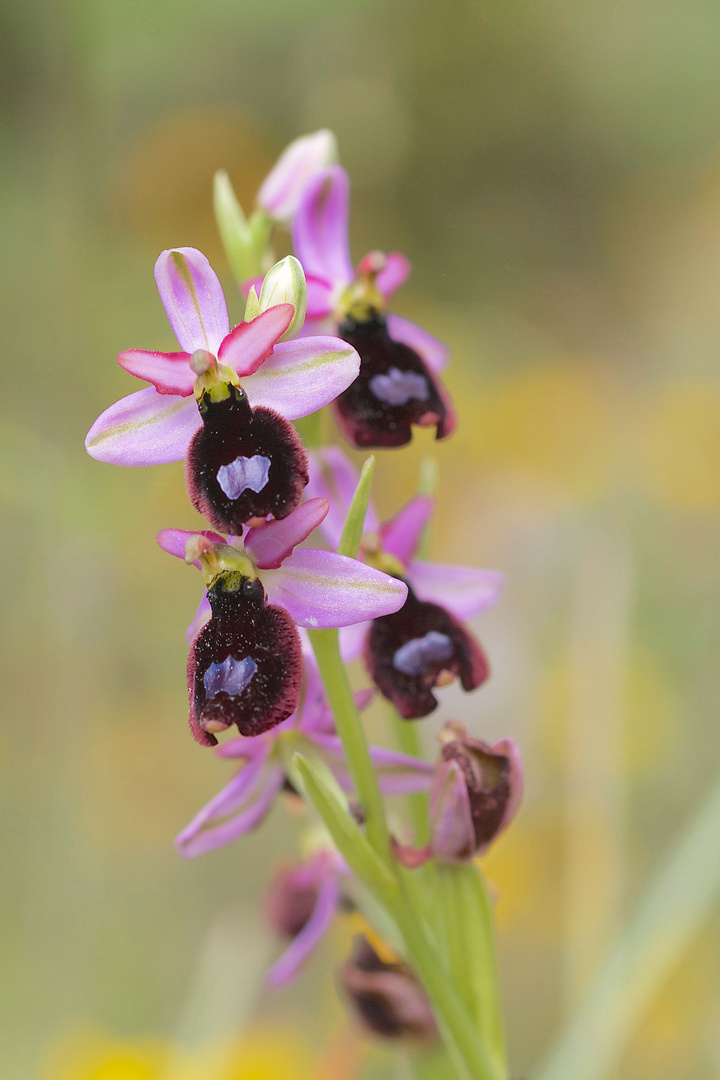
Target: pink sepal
point(303, 375)
point(321, 589)
point(320, 228)
point(269, 544)
point(193, 299)
point(428, 348)
point(465, 591)
point(144, 428)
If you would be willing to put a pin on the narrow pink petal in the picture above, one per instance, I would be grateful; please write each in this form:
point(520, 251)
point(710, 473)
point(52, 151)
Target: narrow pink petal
point(428, 348)
point(395, 274)
point(245, 747)
point(320, 229)
point(174, 540)
point(249, 344)
point(333, 476)
point(145, 428)
point(196, 840)
point(203, 616)
point(288, 966)
point(320, 297)
point(269, 544)
point(402, 534)
point(398, 773)
point(170, 373)
point(464, 590)
point(322, 589)
point(193, 299)
point(303, 375)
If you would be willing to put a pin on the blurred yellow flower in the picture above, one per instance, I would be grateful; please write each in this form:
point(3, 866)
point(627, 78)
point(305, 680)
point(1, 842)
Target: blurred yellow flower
point(682, 446)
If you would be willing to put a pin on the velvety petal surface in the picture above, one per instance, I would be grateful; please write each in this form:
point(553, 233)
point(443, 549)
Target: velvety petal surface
point(321, 589)
point(432, 351)
point(269, 544)
point(320, 229)
point(395, 274)
point(249, 344)
point(402, 534)
point(333, 476)
point(170, 373)
point(145, 428)
point(303, 375)
point(464, 590)
point(193, 299)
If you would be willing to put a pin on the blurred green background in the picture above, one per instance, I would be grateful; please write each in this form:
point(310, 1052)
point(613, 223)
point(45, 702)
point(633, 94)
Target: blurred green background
point(552, 169)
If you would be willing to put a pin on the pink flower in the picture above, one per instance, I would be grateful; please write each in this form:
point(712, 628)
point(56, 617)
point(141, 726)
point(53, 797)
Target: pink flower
point(290, 378)
point(245, 802)
point(245, 663)
point(397, 386)
point(425, 643)
point(283, 187)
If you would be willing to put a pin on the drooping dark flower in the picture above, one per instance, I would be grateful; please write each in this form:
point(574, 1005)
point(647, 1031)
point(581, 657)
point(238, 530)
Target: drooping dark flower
point(476, 792)
point(417, 648)
point(397, 386)
point(426, 643)
point(387, 998)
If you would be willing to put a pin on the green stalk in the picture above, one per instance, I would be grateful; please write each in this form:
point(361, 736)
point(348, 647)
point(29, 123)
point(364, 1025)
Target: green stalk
point(407, 737)
point(349, 728)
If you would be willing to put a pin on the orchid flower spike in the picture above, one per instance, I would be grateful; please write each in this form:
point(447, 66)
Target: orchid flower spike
point(397, 386)
point(425, 644)
point(386, 997)
point(246, 800)
point(244, 459)
point(475, 794)
point(245, 664)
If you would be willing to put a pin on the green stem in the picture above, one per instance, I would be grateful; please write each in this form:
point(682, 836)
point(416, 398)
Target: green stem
point(408, 742)
point(349, 728)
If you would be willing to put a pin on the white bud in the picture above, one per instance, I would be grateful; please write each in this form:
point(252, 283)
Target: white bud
point(284, 283)
point(283, 187)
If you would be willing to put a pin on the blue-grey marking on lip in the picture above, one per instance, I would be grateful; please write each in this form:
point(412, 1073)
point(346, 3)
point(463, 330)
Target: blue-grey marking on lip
point(232, 676)
point(413, 657)
point(243, 473)
point(398, 387)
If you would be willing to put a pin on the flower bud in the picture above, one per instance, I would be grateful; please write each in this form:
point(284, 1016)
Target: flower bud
point(475, 794)
point(387, 998)
point(283, 187)
point(284, 283)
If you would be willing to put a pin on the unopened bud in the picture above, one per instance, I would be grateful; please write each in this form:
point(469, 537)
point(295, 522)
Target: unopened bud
point(475, 794)
point(387, 998)
point(283, 187)
point(285, 283)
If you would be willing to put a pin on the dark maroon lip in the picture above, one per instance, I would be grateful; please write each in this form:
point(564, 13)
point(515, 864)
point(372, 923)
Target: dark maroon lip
point(234, 432)
point(394, 390)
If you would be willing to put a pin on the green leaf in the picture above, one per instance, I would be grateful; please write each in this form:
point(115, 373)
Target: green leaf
point(355, 520)
point(318, 785)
